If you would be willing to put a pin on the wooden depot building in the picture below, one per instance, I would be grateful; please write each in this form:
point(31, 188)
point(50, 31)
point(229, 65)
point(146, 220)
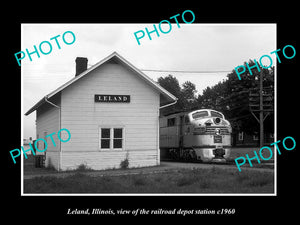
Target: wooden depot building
point(112, 113)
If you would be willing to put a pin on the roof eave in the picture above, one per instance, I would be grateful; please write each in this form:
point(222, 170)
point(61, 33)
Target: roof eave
point(155, 85)
point(37, 105)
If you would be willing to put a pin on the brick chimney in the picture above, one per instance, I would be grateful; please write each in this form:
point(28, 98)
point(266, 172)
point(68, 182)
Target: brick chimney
point(81, 65)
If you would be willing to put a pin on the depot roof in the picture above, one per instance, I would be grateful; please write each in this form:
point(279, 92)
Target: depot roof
point(168, 97)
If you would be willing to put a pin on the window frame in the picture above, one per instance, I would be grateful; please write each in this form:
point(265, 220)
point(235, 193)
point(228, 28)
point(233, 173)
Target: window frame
point(111, 138)
point(241, 136)
point(255, 137)
point(220, 115)
point(200, 117)
point(171, 122)
point(187, 120)
point(100, 137)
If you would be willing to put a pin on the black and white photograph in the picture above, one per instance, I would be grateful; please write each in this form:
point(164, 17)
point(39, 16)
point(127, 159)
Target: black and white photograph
point(105, 114)
point(129, 112)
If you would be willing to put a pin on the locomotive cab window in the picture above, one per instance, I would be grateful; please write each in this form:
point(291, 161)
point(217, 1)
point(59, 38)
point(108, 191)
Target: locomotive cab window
point(171, 122)
point(200, 114)
point(186, 119)
point(216, 114)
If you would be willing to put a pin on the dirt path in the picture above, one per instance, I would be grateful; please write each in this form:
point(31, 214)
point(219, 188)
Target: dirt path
point(164, 167)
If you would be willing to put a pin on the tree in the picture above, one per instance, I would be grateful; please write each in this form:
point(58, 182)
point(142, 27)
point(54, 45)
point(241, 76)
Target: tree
point(213, 96)
point(188, 95)
point(171, 84)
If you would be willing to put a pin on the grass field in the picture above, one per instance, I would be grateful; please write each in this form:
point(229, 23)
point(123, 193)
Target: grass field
point(212, 180)
point(241, 152)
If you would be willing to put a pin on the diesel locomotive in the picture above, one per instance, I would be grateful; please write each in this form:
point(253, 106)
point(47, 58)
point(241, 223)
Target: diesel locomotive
point(201, 135)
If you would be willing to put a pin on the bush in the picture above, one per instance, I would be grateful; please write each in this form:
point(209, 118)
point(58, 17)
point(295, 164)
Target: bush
point(125, 163)
point(83, 167)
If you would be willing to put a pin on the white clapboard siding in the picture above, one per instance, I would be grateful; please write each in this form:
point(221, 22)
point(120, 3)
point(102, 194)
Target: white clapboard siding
point(83, 117)
point(52, 159)
point(47, 122)
point(103, 160)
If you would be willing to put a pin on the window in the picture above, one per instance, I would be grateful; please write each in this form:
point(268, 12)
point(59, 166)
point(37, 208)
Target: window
point(111, 138)
point(118, 137)
point(216, 114)
point(200, 114)
point(105, 138)
point(255, 137)
point(241, 136)
point(171, 122)
point(186, 119)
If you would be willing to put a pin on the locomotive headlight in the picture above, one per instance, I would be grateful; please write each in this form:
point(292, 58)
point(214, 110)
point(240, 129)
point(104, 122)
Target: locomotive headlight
point(217, 120)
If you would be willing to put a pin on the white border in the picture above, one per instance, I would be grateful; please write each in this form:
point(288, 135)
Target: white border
point(173, 194)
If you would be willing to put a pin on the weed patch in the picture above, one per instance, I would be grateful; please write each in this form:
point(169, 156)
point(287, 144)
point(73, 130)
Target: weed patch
point(83, 167)
point(139, 181)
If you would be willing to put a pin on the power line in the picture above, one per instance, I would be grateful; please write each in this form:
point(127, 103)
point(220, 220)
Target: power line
point(188, 71)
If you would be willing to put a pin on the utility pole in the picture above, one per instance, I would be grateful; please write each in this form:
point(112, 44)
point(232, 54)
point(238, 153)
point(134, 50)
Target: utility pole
point(261, 101)
point(261, 111)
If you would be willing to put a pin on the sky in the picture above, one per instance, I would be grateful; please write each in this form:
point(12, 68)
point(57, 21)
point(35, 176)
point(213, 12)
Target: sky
point(192, 47)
